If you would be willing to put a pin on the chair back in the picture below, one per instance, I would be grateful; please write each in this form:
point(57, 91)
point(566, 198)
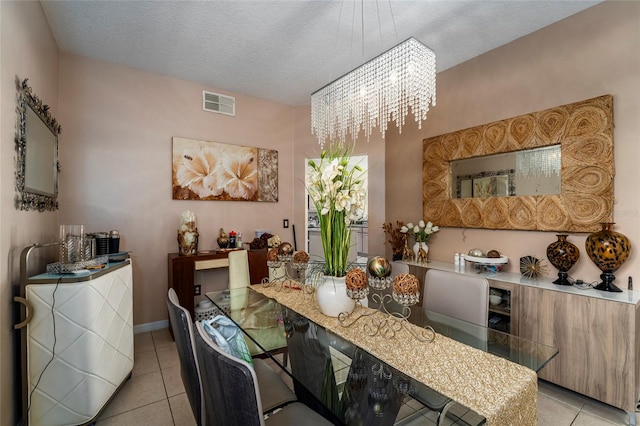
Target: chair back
point(183, 334)
point(456, 295)
point(239, 269)
point(229, 385)
point(398, 268)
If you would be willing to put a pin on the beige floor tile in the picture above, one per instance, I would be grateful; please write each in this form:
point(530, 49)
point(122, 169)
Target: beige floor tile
point(137, 392)
point(162, 338)
point(143, 342)
point(552, 412)
point(172, 381)
point(156, 414)
point(607, 412)
point(565, 395)
point(145, 362)
point(586, 419)
point(181, 410)
point(167, 356)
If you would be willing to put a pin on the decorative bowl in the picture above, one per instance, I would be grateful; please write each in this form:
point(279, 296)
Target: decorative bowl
point(495, 300)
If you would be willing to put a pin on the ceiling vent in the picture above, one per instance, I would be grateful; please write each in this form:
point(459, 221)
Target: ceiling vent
point(214, 102)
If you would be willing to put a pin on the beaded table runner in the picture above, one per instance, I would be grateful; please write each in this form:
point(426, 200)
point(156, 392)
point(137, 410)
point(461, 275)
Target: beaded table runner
point(505, 393)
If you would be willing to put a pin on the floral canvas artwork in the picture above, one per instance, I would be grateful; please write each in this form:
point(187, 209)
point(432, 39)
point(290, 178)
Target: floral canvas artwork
point(205, 170)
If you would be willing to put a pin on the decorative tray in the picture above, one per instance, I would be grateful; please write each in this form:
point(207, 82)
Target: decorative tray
point(487, 260)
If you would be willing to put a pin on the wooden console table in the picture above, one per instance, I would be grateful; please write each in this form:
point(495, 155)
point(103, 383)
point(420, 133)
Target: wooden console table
point(182, 270)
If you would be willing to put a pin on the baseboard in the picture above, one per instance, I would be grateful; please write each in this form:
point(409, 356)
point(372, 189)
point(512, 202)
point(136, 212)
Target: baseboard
point(150, 326)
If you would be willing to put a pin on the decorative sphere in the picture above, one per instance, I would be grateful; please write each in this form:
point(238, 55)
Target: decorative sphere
point(476, 252)
point(285, 249)
point(493, 254)
point(379, 267)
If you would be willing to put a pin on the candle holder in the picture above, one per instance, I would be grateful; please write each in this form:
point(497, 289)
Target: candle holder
point(382, 321)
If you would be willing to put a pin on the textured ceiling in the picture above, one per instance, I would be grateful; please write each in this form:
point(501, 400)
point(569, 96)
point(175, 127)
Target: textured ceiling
point(285, 50)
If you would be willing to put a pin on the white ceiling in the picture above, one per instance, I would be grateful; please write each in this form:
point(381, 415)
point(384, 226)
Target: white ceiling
point(285, 50)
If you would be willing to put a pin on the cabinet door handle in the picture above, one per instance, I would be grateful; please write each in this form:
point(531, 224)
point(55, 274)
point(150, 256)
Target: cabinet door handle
point(29, 312)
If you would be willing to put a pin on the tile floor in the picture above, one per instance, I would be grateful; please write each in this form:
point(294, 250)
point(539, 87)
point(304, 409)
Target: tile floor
point(154, 395)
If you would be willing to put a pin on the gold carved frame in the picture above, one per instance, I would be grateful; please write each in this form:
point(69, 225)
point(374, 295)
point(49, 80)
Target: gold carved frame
point(585, 132)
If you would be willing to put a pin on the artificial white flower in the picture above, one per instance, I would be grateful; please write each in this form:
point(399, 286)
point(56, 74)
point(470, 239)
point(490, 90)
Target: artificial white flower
point(340, 199)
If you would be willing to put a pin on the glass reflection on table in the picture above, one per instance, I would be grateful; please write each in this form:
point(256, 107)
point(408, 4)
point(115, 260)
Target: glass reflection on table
point(341, 381)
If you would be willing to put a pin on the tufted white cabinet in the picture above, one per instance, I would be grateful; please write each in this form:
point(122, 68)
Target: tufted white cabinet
point(79, 343)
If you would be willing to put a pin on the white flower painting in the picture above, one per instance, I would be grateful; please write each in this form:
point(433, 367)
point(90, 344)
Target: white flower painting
point(214, 171)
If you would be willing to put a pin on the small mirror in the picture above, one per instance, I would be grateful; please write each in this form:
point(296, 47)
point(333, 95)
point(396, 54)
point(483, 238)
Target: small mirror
point(37, 149)
point(526, 172)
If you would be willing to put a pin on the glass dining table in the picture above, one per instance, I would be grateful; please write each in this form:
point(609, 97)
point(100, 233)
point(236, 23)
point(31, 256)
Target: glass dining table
point(350, 384)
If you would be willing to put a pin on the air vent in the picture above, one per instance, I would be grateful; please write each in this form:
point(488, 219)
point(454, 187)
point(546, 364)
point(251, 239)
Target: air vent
point(214, 102)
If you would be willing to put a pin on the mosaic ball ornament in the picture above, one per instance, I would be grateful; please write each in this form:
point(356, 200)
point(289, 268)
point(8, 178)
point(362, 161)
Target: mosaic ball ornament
point(285, 249)
point(379, 267)
point(608, 249)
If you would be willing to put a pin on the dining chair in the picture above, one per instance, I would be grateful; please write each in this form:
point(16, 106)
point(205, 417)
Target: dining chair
point(278, 394)
point(239, 269)
point(460, 296)
point(230, 386)
point(181, 325)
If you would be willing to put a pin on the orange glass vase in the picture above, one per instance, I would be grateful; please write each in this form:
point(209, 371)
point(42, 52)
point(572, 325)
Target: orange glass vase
point(608, 250)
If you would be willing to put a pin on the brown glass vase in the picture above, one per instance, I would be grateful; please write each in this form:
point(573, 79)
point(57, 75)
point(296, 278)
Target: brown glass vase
point(563, 255)
point(608, 250)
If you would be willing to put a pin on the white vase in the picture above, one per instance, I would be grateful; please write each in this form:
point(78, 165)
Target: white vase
point(416, 249)
point(332, 297)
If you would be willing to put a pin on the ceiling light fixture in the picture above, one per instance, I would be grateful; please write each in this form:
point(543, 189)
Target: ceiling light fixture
point(375, 93)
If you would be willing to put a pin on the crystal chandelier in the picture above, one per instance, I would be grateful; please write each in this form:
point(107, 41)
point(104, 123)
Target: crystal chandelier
point(380, 90)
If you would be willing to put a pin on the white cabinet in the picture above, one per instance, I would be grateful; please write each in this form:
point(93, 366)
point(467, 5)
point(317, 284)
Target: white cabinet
point(71, 382)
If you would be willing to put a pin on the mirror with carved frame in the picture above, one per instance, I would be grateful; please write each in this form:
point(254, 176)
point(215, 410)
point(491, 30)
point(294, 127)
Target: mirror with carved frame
point(584, 131)
point(37, 152)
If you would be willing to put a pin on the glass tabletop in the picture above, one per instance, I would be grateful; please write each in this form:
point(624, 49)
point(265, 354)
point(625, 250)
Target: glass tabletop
point(343, 382)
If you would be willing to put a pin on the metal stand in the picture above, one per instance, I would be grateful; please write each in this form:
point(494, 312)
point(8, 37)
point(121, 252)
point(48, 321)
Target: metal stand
point(389, 323)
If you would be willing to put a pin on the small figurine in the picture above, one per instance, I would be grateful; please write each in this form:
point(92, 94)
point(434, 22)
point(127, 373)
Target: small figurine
point(223, 240)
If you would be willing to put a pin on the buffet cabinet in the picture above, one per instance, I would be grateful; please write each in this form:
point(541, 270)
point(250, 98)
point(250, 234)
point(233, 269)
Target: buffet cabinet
point(598, 342)
point(597, 333)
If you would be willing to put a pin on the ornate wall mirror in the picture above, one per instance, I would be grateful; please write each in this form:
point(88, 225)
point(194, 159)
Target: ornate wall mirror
point(550, 170)
point(37, 153)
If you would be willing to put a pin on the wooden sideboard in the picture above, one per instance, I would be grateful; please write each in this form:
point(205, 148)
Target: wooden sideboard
point(597, 333)
point(182, 271)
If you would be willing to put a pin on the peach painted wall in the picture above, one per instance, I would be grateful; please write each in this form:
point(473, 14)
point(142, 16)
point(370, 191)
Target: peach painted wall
point(28, 50)
point(116, 165)
point(593, 53)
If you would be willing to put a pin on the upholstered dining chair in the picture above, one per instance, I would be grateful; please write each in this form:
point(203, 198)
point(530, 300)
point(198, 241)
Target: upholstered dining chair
point(278, 394)
point(460, 296)
point(239, 269)
point(230, 385)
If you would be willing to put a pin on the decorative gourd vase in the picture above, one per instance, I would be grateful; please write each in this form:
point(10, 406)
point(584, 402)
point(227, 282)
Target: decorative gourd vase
point(563, 255)
point(332, 296)
point(223, 239)
point(608, 250)
point(420, 250)
point(188, 241)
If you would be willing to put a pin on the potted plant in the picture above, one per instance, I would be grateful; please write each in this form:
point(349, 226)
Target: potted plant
point(339, 197)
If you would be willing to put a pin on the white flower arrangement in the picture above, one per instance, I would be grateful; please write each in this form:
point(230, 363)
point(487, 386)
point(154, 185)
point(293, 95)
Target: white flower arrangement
point(420, 232)
point(339, 198)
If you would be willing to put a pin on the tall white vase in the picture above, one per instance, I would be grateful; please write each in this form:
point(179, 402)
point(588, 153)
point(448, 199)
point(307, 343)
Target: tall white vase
point(332, 297)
